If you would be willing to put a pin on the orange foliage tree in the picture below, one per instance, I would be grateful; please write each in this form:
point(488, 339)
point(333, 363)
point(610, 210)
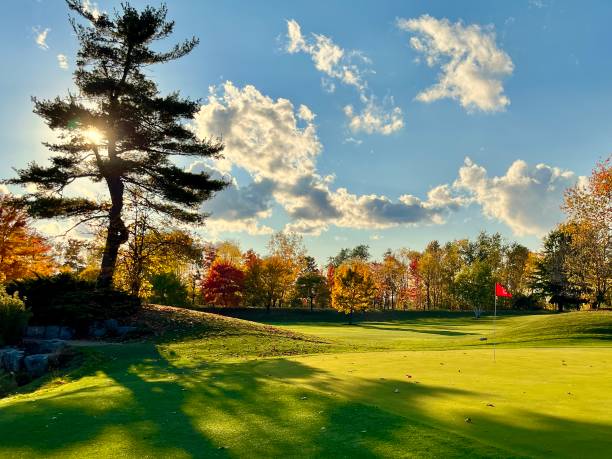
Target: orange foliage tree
point(23, 252)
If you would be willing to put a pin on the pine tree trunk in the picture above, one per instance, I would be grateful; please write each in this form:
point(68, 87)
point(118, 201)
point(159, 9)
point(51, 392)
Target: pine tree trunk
point(117, 233)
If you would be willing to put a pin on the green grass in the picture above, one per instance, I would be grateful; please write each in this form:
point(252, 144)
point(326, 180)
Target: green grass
point(215, 387)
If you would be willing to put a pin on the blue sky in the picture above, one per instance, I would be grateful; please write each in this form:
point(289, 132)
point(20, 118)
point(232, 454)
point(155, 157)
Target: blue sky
point(436, 82)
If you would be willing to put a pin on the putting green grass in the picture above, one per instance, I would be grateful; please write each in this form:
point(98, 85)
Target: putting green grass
point(216, 387)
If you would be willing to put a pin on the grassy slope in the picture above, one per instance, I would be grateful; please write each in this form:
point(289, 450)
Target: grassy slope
point(203, 390)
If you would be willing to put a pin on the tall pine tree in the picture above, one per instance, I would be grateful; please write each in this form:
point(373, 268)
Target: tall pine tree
point(119, 130)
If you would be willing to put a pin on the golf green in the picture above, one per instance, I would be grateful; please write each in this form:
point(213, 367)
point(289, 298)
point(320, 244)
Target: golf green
point(420, 387)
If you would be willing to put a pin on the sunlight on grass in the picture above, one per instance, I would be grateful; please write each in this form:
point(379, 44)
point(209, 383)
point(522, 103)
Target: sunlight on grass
point(234, 389)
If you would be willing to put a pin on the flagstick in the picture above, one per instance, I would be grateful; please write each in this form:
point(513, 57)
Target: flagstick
point(494, 318)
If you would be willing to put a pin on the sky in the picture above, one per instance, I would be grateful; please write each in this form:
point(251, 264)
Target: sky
point(382, 123)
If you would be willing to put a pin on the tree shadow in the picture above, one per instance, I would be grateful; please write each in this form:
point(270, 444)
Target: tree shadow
point(429, 331)
point(153, 406)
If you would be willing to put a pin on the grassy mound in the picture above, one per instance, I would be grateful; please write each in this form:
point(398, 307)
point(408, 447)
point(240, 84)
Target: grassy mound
point(584, 328)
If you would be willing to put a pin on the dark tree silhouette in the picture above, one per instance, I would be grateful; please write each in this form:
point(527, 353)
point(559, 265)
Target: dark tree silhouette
point(118, 130)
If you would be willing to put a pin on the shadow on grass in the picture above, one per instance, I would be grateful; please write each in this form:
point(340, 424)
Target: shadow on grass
point(151, 406)
point(429, 331)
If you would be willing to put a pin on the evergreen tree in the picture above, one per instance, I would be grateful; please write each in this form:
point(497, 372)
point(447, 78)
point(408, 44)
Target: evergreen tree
point(119, 130)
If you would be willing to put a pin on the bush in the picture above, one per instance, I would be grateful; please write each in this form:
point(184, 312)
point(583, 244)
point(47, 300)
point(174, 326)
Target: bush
point(66, 300)
point(13, 317)
point(526, 302)
point(168, 290)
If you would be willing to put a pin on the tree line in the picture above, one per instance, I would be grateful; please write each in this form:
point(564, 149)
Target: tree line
point(173, 266)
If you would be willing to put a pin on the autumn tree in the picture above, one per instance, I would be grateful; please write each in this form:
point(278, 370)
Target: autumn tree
point(23, 252)
point(253, 294)
point(354, 288)
point(474, 286)
point(430, 270)
point(589, 210)
point(224, 284)
point(119, 130)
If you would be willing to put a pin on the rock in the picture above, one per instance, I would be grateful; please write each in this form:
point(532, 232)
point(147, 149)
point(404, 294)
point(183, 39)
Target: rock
point(52, 346)
point(44, 346)
point(97, 331)
point(52, 332)
point(111, 325)
point(66, 333)
point(11, 359)
point(36, 365)
point(35, 332)
point(126, 330)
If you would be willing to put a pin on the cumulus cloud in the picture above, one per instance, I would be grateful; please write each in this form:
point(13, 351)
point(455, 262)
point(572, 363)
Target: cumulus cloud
point(41, 37)
point(375, 118)
point(526, 198)
point(62, 61)
point(472, 66)
point(327, 56)
point(278, 146)
point(261, 135)
point(350, 68)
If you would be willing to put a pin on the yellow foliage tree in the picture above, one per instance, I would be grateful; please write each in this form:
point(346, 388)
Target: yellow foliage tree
point(354, 288)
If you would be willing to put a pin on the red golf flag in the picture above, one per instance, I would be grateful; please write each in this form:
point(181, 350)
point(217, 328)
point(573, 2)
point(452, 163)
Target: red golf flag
point(500, 290)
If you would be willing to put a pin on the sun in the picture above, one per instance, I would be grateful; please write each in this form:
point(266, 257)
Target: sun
point(93, 135)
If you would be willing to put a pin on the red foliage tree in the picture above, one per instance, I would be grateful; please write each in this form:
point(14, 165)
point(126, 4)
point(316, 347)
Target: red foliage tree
point(223, 285)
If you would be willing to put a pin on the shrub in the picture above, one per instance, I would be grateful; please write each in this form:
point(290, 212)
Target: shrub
point(13, 317)
point(66, 300)
point(168, 289)
point(526, 302)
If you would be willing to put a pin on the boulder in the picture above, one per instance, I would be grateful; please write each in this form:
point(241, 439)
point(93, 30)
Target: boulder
point(36, 364)
point(111, 325)
point(66, 333)
point(52, 332)
point(11, 359)
point(96, 331)
point(52, 346)
point(35, 332)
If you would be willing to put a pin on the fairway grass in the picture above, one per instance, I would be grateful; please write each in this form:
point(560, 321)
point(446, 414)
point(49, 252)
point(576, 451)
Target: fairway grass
point(230, 388)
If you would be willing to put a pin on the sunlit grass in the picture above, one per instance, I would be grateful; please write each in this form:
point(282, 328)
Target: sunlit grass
point(231, 389)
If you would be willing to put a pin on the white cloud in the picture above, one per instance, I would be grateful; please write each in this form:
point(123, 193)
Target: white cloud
point(3, 189)
point(327, 56)
point(264, 138)
point(62, 61)
point(526, 198)
point(472, 66)
point(305, 114)
point(261, 135)
point(374, 117)
point(41, 37)
point(350, 68)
